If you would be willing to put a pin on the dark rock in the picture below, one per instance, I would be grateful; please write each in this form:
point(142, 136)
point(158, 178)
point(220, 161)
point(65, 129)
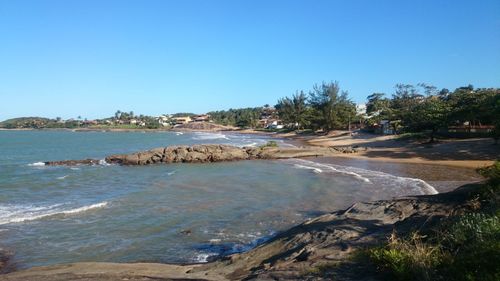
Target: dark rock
point(73, 162)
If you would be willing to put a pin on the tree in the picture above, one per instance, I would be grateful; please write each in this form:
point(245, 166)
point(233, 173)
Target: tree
point(335, 109)
point(431, 114)
point(378, 107)
point(294, 110)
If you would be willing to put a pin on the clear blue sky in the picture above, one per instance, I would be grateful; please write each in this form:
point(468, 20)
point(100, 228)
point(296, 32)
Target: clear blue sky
point(90, 58)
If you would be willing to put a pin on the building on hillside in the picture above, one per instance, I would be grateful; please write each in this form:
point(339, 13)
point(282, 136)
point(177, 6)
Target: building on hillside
point(163, 120)
point(182, 120)
point(201, 118)
point(133, 122)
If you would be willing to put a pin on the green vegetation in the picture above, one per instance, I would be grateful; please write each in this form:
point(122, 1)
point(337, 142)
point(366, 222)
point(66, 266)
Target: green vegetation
point(424, 109)
point(325, 107)
point(465, 247)
point(37, 123)
point(242, 117)
point(411, 109)
point(269, 144)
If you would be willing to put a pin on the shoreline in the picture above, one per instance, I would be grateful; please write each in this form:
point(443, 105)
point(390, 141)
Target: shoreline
point(387, 148)
point(290, 253)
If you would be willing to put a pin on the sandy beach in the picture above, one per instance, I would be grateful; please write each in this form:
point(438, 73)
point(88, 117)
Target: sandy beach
point(470, 153)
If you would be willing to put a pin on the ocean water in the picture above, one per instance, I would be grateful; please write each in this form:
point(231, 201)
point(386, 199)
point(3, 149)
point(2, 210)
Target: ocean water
point(163, 213)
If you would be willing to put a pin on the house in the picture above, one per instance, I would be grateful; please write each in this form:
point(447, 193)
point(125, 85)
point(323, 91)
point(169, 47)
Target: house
point(163, 120)
point(133, 122)
point(202, 118)
point(274, 124)
point(182, 120)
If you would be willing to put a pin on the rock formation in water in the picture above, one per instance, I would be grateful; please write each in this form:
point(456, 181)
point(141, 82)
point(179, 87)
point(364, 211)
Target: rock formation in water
point(203, 153)
point(299, 253)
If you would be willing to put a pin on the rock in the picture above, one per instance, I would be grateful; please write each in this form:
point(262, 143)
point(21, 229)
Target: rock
point(203, 154)
point(73, 162)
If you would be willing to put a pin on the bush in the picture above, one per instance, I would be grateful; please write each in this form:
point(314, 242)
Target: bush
point(474, 240)
point(492, 173)
point(270, 144)
point(408, 259)
point(467, 248)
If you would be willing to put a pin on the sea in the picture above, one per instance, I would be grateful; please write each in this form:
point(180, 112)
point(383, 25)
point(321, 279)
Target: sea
point(175, 213)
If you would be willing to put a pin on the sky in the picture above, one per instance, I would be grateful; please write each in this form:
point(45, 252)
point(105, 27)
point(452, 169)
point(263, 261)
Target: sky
point(90, 58)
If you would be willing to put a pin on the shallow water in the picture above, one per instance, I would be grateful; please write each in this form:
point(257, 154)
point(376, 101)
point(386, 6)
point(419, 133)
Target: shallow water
point(162, 213)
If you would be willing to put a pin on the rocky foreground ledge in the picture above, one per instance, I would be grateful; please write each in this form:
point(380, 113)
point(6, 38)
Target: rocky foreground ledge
point(204, 154)
point(299, 253)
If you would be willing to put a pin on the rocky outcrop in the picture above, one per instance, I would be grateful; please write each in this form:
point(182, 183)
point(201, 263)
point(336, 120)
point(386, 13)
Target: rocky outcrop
point(202, 154)
point(203, 126)
point(72, 162)
point(318, 249)
point(212, 153)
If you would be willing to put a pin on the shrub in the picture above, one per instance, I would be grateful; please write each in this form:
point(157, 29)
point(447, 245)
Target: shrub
point(270, 144)
point(408, 259)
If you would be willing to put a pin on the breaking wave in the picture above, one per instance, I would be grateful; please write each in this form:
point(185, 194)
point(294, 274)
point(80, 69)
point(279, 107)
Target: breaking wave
point(37, 164)
point(208, 136)
point(22, 213)
point(384, 180)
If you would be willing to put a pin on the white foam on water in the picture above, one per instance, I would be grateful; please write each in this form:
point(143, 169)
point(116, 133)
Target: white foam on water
point(85, 208)
point(171, 173)
point(203, 257)
point(332, 168)
point(417, 186)
point(22, 213)
point(314, 169)
point(103, 162)
point(63, 177)
point(37, 164)
point(179, 133)
point(208, 136)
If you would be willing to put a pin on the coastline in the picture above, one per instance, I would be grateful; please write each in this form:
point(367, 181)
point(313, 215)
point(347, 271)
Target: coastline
point(220, 270)
point(293, 254)
point(452, 153)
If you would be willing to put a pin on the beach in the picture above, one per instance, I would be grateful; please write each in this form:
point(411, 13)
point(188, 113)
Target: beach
point(469, 153)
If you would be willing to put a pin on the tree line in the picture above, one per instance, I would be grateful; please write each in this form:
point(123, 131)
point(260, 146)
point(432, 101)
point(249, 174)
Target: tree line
point(420, 108)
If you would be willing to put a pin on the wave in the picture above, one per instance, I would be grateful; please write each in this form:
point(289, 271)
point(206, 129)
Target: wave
point(382, 179)
point(314, 169)
point(22, 213)
point(218, 248)
point(37, 164)
point(209, 136)
point(103, 162)
point(63, 177)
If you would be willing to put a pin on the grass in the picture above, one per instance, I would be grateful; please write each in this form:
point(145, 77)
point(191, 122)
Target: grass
point(466, 247)
point(269, 144)
point(413, 136)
